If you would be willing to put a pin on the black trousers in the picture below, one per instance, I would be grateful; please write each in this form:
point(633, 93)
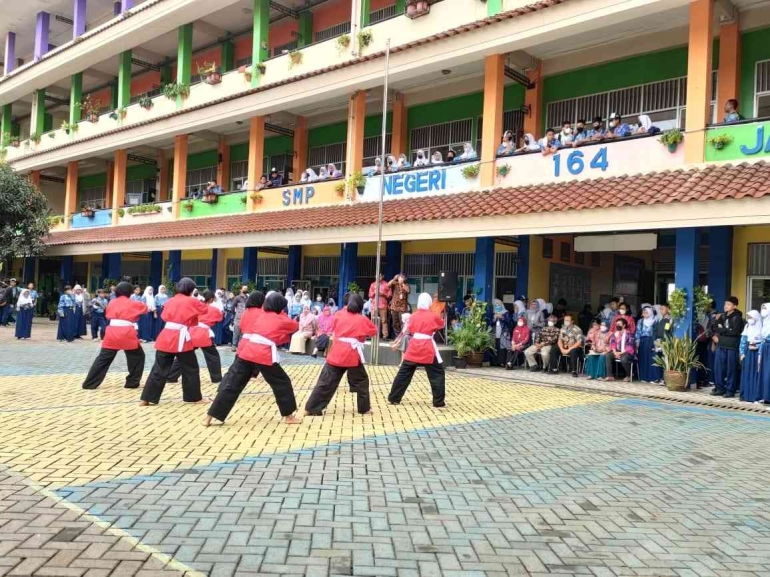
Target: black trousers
point(213, 364)
point(156, 382)
point(625, 362)
point(238, 376)
point(436, 376)
point(574, 355)
point(327, 384)
point(100, 366)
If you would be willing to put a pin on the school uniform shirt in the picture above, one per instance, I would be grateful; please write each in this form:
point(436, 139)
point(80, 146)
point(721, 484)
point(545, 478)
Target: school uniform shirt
point(185, 311)
point(201, 337)
point(270, 325)
point(423, 351)
point(123, 338)
point(349, 326)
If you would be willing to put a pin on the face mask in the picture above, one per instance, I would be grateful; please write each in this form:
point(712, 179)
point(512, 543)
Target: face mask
point(579, 129)
point(597, 126)
point(752, 320)
point(604, 329)
point(520, 323)
point(623, 311)
point(566, 130)
point(614, 123)
point(619, 327)
point(551, 323)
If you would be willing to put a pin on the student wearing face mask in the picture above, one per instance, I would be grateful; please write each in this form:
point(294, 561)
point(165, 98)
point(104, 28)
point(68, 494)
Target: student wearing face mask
point(570, 345)
point(502, 326)
point(751, 339)
point(596, 361)
point(617, 128)
point(519, 341)
point(622, 349)
point(624, 311)
point(566, 136)
point(597, 131)
point(507, 146)
point(581, 133)
point(544, 343)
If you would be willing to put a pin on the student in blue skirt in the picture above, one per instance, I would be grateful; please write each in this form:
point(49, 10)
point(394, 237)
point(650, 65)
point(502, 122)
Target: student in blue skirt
point(25, 310)
point(751, 339)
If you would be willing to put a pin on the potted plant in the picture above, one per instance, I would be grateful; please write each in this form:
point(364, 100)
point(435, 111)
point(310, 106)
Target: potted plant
point(473, 337)
point(55, 220)
point(244, 199)
point(417, 8)
point(720, 141)
point(35, 137)
point(142, 209)
point(353, 288)
point(52, 134)
point(339, 188)
point(256, 197)
point(53, 312)
point(365, 38)
point(343, 42)
point(671, 139)
point(295, 58)
point(678, 356)
point(86, 211)
point(246, 71)
point(261, 68)
point(209, 73)
point(677, 304)
point(702, 300)
point(146, 102)
point(118, 114)
point(471, 171)
point(188, 206)
point(121, 212)
point(90, 108)
point(358, 181)
point(503, 170)
point(175, 89)
point(69, 128)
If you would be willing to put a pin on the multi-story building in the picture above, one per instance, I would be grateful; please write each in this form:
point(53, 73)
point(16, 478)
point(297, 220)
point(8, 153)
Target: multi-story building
point(123, 113)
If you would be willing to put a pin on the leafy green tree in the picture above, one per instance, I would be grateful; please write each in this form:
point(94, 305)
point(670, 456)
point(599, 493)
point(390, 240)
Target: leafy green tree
point(23, 216)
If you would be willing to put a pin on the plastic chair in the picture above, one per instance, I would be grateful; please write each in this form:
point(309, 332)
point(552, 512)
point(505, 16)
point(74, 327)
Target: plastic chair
point(633, 362)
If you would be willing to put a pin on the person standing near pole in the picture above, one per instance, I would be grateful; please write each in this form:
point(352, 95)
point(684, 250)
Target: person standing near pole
point(400, 304)
point(382, 306)
point(239, 306)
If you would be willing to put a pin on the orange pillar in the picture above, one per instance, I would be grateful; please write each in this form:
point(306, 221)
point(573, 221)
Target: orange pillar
point(354, 159)
point(492, 127)
point(223, 164)
point(299, 163)
point(533, 123)
point(256, 155)
point(162, 176)
point(180, 173)
point(70, 192)
point(34, 178)
point(398, 139)
point(119, 182)
point(698, 78)
point(108, 203)
point(729, 74)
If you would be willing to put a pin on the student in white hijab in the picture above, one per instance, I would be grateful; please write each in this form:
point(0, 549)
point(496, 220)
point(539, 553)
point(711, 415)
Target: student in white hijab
point(392, 164)
point(81, 305)
point(529, 144)
point(437, 158)
point(645, 123)
point(421, 159)
point(309, 175)
point(25, 310)
point(468, 153)
point(752, 389)
point(306, 302)
point(519, 310)
point(219, 301)
point(332, 171)
point(402, 162)
point(147, 320)
point(322, 174)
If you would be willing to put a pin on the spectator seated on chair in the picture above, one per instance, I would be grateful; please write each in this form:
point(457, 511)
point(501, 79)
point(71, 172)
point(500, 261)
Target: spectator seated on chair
point(622, 349)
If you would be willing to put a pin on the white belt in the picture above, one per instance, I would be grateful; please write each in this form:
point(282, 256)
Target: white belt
point(356, 345)
point(184, 333)
point(122, 323)
point(426, 337)
point(205, 326)
point(260, 340)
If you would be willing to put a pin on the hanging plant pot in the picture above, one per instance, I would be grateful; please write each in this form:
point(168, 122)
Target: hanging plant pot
point(92, 117)
point(417, 8)
point(15, 142)
point(213, 78)
point(672, 147)
point(360, 190)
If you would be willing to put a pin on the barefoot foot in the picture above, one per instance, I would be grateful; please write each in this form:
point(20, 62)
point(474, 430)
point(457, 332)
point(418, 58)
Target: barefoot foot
point(292, 420)
point(144, 403)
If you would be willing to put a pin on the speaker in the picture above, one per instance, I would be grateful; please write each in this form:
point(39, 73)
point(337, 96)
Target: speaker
point(447, 286)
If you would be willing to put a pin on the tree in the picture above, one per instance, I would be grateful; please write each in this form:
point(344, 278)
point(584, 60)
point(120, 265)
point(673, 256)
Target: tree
point(23, 216)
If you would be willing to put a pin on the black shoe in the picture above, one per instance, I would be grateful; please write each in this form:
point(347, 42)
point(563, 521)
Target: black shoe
point(314, 356)
point(729, 395)
point(440, 406)
point(509, 367)
point(394, 403)
point(213, 382)
point(717, 392)
point(533, 370)
point(554, 371)
point(127, 386)
point(546, 371)
point(574, 374)
point(319, 414)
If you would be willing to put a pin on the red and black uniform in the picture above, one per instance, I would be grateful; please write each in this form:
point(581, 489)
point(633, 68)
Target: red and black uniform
point(202, 339)
point(347, 355)
point(123, 314)
point(258, 353)
point(421, 352)
point(181, 313)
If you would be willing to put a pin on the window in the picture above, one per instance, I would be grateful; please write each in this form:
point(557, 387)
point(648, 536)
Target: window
point(140, 192)
point(93, 197)
point(596, 259)
point(239, 171)
point(199, 179)
point(373, 149)
point(580, 258)
point(441, 137)
point(547, 248)
point(762, 89)
point(382, 14)
point(288, 47)
point(566, 252)
point(333, 32)
point(319, 156)
point(664, 101)
point(513, 120)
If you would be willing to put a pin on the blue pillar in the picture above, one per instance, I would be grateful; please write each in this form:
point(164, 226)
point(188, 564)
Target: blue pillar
point(720, 263)
point(392, 259)
point(484, 270)
point(686, 274)
point(348, 266)
point(522, 267)
point(174, 271)
point(65, 272)
point(156, 269)
point(214, 255)
point(294, 266)
point(113, 266)
point(28, 271)
point(249, 271)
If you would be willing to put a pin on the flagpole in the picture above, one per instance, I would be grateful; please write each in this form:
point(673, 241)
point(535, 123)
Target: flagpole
point(376, 305)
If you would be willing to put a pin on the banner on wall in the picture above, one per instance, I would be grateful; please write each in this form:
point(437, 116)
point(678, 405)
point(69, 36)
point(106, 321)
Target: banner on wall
point(422, 182)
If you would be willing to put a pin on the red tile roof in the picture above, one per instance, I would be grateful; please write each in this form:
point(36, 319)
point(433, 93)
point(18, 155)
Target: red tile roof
point(707, 183)
point(503, 16)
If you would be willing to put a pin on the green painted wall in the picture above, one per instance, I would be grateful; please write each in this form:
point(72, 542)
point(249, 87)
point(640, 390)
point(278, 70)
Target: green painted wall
point(273, 145)
point(140, 172)
point(205, 159)
point(338, 132)
point(227, 204)
point(749, 142)
point(92, 180)
point(755, 46)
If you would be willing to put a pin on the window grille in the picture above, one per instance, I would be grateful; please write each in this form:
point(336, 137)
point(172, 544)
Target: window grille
point(198, 180)
point(93, 197)
point(322, 266)
point(243, 62)
point(441, 137)
point(506, 264)
point(288, 47)
point(382, 14)
point(319, 156)
point(418, 265)
point(156, 91)
point(762, 89)
point(196, 267)
point(239, 171)
point(513, 120)
point(373, 149)
point(333, 32)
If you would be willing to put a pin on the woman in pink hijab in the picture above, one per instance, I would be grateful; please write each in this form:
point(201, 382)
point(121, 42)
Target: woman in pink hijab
point(325, 328)
point(307, 326)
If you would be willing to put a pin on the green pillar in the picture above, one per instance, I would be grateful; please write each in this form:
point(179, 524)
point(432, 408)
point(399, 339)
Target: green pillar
point(261, 30)
point(124, 79)
point(494, 7)
point(165, 74)
point(305, 28)
point(76, 97)
point(6, 122)
point(113, 95)
point(365, 12)
point(400, 6)
point(47, 122)
point(37, 122)
point(227, 54)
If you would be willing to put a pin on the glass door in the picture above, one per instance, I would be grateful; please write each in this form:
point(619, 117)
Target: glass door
point(759, 292)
